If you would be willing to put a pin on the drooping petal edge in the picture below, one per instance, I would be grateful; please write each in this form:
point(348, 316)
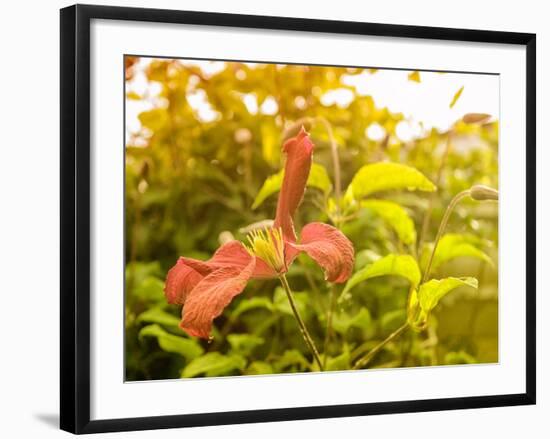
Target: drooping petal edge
point(230, 254)
point(180, 280)
point(329, 247)
point(211, 295)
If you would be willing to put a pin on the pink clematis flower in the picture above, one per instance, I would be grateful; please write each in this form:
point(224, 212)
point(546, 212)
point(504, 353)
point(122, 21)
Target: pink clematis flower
point(205, 288)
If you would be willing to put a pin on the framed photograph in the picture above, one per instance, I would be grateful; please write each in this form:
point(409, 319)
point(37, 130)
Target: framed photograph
point(274, 218)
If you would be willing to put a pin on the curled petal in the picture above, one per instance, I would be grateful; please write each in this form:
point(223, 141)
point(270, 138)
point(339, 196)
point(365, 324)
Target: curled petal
point(231, 254)
point(211, 295)
point(299, 151)
point(234, 254)
point(201, 267)
point(188, 272)
point(330, 248)
point(180, 280)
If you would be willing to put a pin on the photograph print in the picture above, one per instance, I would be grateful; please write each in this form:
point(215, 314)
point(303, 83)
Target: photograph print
point(285, 218)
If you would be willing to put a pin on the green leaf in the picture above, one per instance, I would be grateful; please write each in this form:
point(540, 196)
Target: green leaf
point(291, 358)
point(259, 368)
point(214, 364)
point(151, 289)
point(342, 322)
point(456, 97)
point(187, 347)
point(395, 216)
point(390, 265)
point(158, 315)
point(451, 246)
point(392, 320)
point(431, 292)
point(364, 257)
point(252, 303)
point(341, 362)
point(136, 272)
point(459, 357)
point(387, 176)
point(281, 304)
point(244, 343)
point(318, 178)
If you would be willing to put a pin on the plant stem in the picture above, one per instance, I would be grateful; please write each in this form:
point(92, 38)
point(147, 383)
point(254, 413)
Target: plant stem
point(442, 226)
point(312, 286)
point(362, 362)
point(428, 214)
point(337, 222)
point(336, 165)
point(301, 324)
point(329, 324)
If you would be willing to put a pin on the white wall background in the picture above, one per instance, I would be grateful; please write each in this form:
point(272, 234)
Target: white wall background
point(29, 236)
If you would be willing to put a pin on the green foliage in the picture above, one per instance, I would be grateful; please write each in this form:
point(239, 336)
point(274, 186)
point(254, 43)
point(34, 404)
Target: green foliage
point(343, 321)
point(396, 217)
point(387, 176)
point(460, 357)
point(431, 292)
point(192, 176)
point(391, 265)
point(252, 303)
point(244, 343)
point(318, 178)
point(186, 347)
point(281, 304)
point(291, 361)
point(453, 246)
point(158, 315)
point(213, 364)
point(340, 362)
point(150, 289)
point(259, 368)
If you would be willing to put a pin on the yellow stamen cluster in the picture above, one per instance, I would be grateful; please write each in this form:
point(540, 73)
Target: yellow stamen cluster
point(268, 245)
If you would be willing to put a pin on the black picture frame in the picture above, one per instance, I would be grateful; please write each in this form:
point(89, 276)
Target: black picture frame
point(75, 217)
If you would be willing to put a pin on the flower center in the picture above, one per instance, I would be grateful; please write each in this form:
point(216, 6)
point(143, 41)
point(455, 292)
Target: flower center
point(268, 245)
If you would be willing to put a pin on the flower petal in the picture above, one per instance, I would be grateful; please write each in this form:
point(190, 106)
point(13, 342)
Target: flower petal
point(188, 272)
point(329, 248)
point(180, 280)
point(299, 151)
point(201, 267)
point(234, 254)
point(231, 254)
point(211, 295)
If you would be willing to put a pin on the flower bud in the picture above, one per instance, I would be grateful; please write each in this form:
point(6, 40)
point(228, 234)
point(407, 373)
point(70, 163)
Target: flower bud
point(480, 192)
point(293, 129)
point(471, 118)
point(416, 317)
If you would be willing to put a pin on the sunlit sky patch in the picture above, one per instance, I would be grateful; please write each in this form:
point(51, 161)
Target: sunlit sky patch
point(424, 104)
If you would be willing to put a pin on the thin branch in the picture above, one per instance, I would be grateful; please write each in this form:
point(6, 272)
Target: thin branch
point(301, 324)
point(441, 230)
point(362, 362)
point(439, 176)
